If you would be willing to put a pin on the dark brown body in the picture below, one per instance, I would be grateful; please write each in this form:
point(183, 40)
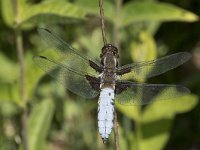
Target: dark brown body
point(109, 59)
point(108, 70)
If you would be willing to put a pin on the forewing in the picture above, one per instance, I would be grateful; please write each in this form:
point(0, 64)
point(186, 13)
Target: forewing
point(153, 68)
point(141, 94)
point(73, 80)
point(72, 58)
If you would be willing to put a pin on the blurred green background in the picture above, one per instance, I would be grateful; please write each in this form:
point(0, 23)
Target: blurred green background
point(38, 114)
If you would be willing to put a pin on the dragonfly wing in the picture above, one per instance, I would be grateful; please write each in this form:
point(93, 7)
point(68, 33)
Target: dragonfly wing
point(73, 80)
point(153, 68)
point(140, 94)
point(72, 58)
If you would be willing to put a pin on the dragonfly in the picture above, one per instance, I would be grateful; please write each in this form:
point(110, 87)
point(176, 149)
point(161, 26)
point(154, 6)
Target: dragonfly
point(108, 80)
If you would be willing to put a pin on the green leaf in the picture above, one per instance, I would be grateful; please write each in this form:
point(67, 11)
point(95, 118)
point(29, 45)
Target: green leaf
point(51, 11)
point(152, 27)
point(93, 43)
point(92, 7)
point(132, 112)
point(9, 109)
point(33, 74)
point(7, 10)
point(9, 80)
point(23, 2)
point(143, 49)
point(157, 120)
point(39, 123)
point(9, 89)
point(9, 70)
point(122, 139)
point(11, 10)
point(155, 134)
point(170, 107)
point(154, 11)
point(10, 92)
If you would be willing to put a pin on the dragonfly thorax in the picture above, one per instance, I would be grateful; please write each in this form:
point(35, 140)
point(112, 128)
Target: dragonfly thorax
point(109, 60)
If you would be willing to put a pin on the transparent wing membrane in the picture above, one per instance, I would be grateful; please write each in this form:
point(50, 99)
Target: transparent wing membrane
point(153, 68)
point(140, 94)
point(74, 72)
point(72, 58)
point(73, 80)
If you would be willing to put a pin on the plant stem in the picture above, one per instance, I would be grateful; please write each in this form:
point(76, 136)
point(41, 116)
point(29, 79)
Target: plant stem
point(20, 52)
point(102, 22)
point(116, 134)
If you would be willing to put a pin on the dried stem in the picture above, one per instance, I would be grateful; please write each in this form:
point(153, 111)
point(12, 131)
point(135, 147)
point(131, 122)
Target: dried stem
point(102, 22)
point(20, 52)
point(116, 132)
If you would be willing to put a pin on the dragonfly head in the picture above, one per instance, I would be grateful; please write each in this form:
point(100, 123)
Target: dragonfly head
point(109, 56)
point(109, 48)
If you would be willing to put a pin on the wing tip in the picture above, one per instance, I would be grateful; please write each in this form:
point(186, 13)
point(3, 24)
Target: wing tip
point(35, 58)
point(44, 57)
point(44, 29)
point(186, 55)
point(183, 89)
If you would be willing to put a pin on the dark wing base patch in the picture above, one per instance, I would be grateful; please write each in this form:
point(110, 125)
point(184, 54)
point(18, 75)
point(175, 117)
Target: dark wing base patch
point(94, 82)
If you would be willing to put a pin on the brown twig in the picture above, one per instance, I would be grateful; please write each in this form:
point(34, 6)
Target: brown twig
point(102, 22)
point(116, 131)
point(20, 52)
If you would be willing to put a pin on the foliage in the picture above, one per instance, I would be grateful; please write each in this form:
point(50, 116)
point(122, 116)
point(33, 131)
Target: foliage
point(39, 123)
point(71, 124)
point(154, 131)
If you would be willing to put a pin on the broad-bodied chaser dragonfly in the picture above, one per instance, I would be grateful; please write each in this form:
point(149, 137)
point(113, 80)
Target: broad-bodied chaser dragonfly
point(88, 78)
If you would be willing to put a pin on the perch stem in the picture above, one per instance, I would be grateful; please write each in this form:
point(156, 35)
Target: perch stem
point(102, 22)
point(116, 134)
point(20, 53)
point(24, 118)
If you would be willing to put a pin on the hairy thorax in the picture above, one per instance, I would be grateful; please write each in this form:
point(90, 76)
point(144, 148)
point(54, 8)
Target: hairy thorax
point(108, 76)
